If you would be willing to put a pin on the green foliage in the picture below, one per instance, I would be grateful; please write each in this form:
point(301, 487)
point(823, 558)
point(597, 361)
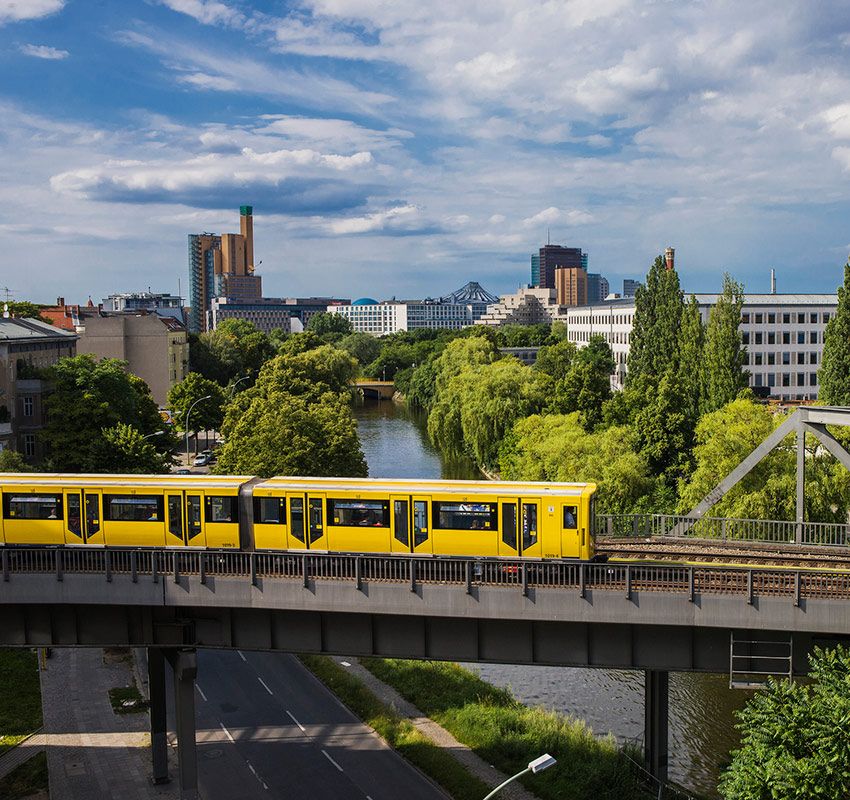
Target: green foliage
point(296, 419)
point(587, 384)
point(834, 375)
point(422, 384)
point(690, 368)
point(523, 335)
point(20, 711)
point(362, 346)
point(724, 358)
point(23, 309)
point(235, 348)
point(556, 447)
point(556, 359)
point(89, 396)
point(325, 323)
point(508, 735)
point(13, 461)
point(655, 332)
point(124, 449)
point(795, 738)
point(207, 414)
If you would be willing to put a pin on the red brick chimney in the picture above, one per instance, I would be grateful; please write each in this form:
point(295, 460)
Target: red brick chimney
point(669, 256)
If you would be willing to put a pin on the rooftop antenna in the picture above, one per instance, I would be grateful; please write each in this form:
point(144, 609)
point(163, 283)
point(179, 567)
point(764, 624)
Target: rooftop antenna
point(773, 281)
point(9, 292)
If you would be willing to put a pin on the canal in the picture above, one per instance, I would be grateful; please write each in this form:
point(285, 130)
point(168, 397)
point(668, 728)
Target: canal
point(396, 445)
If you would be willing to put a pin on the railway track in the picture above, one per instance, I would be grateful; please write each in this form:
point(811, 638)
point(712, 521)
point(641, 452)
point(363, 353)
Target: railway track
point(745, 554)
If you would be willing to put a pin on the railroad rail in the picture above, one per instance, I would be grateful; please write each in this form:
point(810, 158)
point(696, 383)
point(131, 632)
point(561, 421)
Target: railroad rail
point(521, 575)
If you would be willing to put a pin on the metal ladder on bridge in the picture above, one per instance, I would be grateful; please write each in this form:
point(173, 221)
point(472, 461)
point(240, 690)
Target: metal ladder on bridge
point(753, 661)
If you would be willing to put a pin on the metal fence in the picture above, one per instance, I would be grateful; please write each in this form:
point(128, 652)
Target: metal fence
point(412, 571)
point(647, 526)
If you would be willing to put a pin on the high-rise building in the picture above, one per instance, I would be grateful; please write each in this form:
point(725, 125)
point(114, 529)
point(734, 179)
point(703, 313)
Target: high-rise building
point(571, 286)
point(553, 256)
point(630, 287)
point(597, 288)
point(222, 266)
point(535, 269)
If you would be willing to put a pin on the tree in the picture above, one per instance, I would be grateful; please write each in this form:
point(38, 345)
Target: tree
point(207, 414)
point(13, 461)
point(324, 323)
point(124, 449)
point(834, 375)
point(556, 447)
point(24, 309)
point(363, 346)
point(87, 397)
point(795, 738)
point(555, 359)
point(312, 373)
point(587, 384)
point(655, 331)
point(690, 367)
point(235, 348)
point(724, 357)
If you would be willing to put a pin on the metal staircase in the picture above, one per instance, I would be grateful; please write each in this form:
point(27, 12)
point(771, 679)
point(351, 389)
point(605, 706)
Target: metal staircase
point(753, 661)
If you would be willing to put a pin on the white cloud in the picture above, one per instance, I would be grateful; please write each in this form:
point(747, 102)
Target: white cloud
point(554, 214)
point(43, 51)
point(394, 218)
point(207, 12)
point(17, 10)
point(216, 83)
point(838, 120)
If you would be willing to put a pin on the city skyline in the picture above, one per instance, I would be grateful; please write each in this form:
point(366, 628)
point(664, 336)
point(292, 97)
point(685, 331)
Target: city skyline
point(412, 148)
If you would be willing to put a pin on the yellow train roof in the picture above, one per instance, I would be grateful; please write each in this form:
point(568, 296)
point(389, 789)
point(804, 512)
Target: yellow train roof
point(170, 481)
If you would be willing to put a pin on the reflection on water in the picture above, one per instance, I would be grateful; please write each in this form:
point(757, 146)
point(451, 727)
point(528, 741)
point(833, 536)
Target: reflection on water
point(396, 445)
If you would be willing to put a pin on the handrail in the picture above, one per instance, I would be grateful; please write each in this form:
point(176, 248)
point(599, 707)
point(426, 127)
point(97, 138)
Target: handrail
point(120, 565)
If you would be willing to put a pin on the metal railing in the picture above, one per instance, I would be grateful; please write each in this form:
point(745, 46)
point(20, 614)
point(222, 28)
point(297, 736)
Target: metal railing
point(412, 571)
point(647, 526)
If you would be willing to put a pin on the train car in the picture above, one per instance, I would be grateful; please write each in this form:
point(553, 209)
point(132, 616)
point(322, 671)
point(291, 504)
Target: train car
point(430, 517)
point(433, 517)
point(121, 510)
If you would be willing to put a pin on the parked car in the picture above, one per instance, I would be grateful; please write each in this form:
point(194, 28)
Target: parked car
point(182, 471)
point(201, 460)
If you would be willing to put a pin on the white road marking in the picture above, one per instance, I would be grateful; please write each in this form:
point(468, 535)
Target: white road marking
point(201, 692)
point(345, 663)
point(292, 717)
point(227, 733)
point(265, 685)
point(332, 761)
point(251, 767)
point(257, 775)
point(242, 656)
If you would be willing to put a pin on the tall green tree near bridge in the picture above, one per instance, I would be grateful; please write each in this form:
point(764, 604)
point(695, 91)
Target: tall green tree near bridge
point(724, 357)
point(834, 375)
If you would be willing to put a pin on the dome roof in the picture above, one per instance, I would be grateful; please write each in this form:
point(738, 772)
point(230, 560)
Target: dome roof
point(365, 301)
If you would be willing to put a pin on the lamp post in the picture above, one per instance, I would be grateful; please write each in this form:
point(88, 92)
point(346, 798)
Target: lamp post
point(538, 765)
point(199, 400)
point(233, 388)
point(155, 433)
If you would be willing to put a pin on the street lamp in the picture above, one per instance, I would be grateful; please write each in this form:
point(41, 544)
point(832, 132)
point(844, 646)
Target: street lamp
point(538, 765)
point(155, 433)
point(233, 388)
point(199, 400)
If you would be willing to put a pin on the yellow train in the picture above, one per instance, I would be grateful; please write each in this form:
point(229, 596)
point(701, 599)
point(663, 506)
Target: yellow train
point(430, 517)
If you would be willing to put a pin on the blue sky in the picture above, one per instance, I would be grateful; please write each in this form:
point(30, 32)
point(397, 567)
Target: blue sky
point(403, 147)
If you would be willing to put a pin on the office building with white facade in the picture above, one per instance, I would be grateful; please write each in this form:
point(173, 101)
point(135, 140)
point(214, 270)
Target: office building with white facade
point(782, 333)
point(390, 316)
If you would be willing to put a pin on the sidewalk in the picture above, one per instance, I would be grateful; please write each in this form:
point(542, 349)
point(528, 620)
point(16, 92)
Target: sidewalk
point(29, 747)
point(436, 733)
point(91, 751)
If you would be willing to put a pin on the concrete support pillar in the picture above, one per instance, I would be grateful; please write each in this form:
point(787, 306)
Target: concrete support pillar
point(801, 482)
point(656, 684)
point(185, 666)
point(159, 722)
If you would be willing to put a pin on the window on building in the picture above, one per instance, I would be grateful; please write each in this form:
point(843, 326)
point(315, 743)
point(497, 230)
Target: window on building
point(813, 357)
point(746, 337)
point(757, 359)
point(759, 337)
point(786, 319)
point(813, 379)
point(771, 319)
point(801, 319)
point(757, 379)
point(771, 358)
point(759, 319)
point(801, 358)
point(801, 379)
point(786, 337)
point(786, 378)
point(27, 400)
point(745, 319)
point(786, 358)
point(29, 445)
point(801, 337)
point(771, 338)
point(826, 317)
point(813, 337)
point(771, 379)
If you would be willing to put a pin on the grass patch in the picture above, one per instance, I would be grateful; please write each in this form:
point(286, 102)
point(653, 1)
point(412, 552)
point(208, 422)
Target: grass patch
point(508, 734)
point(434, 761)
point(25, 780)
point(127, 700)
point(20, 710)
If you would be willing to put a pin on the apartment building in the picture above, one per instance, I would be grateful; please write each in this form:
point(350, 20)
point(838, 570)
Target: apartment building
point(527, 306)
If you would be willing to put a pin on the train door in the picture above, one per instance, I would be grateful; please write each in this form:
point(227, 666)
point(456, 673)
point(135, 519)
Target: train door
point(508, 527)
point(421, 542)
point(316, 531)
point(297, 527)
point(400, 541)
point(185, 520)
point(84, 517)
point(570, 530)
point(530, 528)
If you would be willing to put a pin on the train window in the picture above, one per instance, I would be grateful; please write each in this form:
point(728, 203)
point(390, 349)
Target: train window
point(420, 522)
point(270, 510)
point(402, 527)
point(570, 516)
point(359, 513)
point(529, 525)
point(296, 509)
point(509, 524)
point(193, 515)
point(134, 508)
point(75, 517)
point(222, 509)
point(465, 516)
point(316, 531)
point(32, 506)
point(175, 515)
